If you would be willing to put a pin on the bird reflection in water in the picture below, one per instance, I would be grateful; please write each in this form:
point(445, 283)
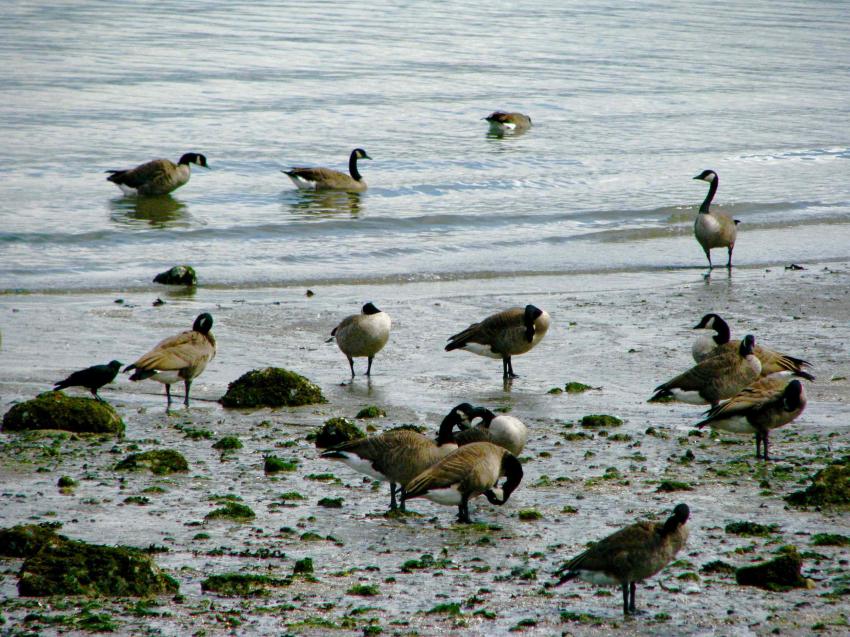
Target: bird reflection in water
point(324, 203)
point(160, 212)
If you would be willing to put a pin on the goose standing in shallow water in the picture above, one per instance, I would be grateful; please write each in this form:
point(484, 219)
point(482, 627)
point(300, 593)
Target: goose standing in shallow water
point(630, 555)
point(771, 362)
point(181, 357)
point(714, 229)
point(157, 177)
point(362, 335)
point(767, 404)
point(92, 378)
point(327, 179)
point(502, 122)
point(508, 333)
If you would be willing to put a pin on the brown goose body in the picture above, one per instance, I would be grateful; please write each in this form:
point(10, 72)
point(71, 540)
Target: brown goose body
point(501, 121)
point(767, 404)
point(630, 555)
point(181, 357)
point(714, 229)
point(156, 177)
point(467, 472)
point(363, 335)
point(328, 179)
point(505, 334)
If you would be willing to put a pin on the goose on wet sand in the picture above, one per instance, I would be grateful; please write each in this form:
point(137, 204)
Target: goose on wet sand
point(157, 177)
point(502, 335)
point(771, 362)
point(630, 555)
point(714, 229)
point(465, 473)
point(92, 378)
point(327, 179)
point(501, 122)
point(503, 430)
point(767, 404)
point(362, 335)
point(180, 357)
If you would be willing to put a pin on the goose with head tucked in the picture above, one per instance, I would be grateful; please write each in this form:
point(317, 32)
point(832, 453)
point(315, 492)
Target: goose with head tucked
point(156, 177)
point(327, 179)
point(180, 357)
point(502, 335)
point(714, 229)
point(362, 335)
point(92, 378)
point(503, 430)
point(503, 122)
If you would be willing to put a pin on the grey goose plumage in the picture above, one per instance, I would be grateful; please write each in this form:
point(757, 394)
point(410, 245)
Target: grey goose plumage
point(502, 335)
point(362, 335)
point(156, 177)
point(630, 555)
point(328, 179)
point(92, 378)
point(714, 229)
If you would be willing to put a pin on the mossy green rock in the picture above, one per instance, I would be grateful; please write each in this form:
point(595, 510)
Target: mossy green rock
point(371, 411)
point(600, 420)
point(158, 461)
point(55, 410)
point(178, 275)
point(271, 387)
point(830, 487)
point(779, 574)
point(241, 585)
point(336, 431)
point(25, 540)
point(232, 511)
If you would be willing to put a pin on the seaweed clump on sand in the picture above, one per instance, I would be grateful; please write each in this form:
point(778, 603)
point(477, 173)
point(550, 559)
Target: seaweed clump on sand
point(55, 410)
point(830, 487)
point(55, 565)
point(272, 387)
point(158, 461)
point(241, 584)
point(780, 574)
point(600, 420)
point(336, 431)
point(178, 275)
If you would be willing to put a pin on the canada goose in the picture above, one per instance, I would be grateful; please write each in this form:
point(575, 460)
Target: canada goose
point(771, 362)
point(399, 456)
point(714, 229)
point(508, 333)
point(630, 555)
point(157, 177)
point(92, 378)
point(363, 334)
point(180, 357)
point(469, 471)
point(501, 122)
point(767, 404)
point(502, 430)
point(327, 179)
point(716, 378)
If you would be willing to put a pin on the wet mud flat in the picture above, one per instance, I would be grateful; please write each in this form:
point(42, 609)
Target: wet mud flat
point(619, 333)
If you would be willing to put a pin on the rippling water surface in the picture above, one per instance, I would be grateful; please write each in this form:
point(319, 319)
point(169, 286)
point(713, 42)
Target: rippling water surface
point(628, 102)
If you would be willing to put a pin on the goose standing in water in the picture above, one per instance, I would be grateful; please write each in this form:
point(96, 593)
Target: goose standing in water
point(92, 378)
point(157, 177)
point(508, 333)
point(502, 122)
point(327, 179)
point(181, 357)
point(714, 229)
point(362, 335)
point(630, 555)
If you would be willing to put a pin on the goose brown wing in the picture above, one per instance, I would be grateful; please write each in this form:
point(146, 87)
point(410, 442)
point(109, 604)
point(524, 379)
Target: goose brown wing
point(184, 350)
point(156, 172)
point(491, 328)
point(320, 175)
point(758, 395)
point(617, 552)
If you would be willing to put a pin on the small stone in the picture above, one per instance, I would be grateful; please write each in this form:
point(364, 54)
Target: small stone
point(178, 275)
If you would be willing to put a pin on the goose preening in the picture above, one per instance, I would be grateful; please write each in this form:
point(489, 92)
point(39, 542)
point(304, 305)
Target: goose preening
point(92, 378)
point(502, 430)
point(465, 473)
point(714, 229)
point(771, 362)
point(716, 378)
point(180, 357)
point(362, 335)
point(630, 555)
point(767, 404)
point(508, 333)
point(157, 177)
point(327, 179)
point(399, 456)
point(502, 122)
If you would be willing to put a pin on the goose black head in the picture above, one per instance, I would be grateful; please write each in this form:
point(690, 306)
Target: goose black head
point(793, 396)
point(203, 323)
point(681, 513)
point(370, 308)
point(194, 158)
point(359, 153)
point(707, 175)
point(707, 322)
point(484, 414)
point(532, 313)
point(463, 413)
point(748, 345)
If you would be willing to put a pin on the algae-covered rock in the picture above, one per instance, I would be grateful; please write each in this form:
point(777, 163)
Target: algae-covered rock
point(25, 540)
point(778, 574)
point(600, 420)
point(232, 511)
point(336, 431)
point(830, 487)
point(55, 410)
point(752, 529)
point(178, 275)
point(241, 584)
point(576, 388)
point(371, 411)
point(228, 443)
point(271, 387)
point(158, 461)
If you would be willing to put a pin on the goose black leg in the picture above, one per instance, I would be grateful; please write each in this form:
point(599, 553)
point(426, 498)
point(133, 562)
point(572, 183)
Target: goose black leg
point(369, 368)
point(708, 256)
point(188, 385)
point(764, 439)
point(402, 493)
point(463, 510)
point(168, 397)
point(729, 263)
point(508, 368)
point(351, 365)
point(393, 504)
point(632, 587)
point(625, 588)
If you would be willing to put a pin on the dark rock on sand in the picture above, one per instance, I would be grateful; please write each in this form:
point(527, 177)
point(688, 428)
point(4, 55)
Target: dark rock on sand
point(272, 387)
point(178, 275)
point(55, 410)
point(779, 574)
point(158, 461)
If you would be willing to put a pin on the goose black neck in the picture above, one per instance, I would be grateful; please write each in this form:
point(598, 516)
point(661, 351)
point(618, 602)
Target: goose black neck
point(352, 166)
point(670, 526)
point(712, 189)
point(446, 433)
point(485, 414)
point(722, 328)
point(512, 469)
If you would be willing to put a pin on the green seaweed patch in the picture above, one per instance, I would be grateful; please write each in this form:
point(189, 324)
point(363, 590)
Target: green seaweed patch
point(323, 477)
point(779, 574)
point(193, 433)
point(425, 562)
point(137, 499)
point(600, 420)
point(420, 429)
point(84, 620)
point(447, 608)
point(581, 618)
point(157, 461)
point(522, 624)
point(620, 438)
point(830, 539)
point(303, 566)
point(371, 411)
point(25, 540)
point(291, 496)
point(529, 515)
point(717, 566)
point(241, 584)
point(273, 464)
point(271, 387)
point(751, 529)
point(64, 482)
point(228, 443)
point(364, 590)
point(331, 503)
point(232, 511)
point(572, 436)
point(336, 431)
point(55, 410)
point(576, 388)
point(668, 486)
point(830, 487)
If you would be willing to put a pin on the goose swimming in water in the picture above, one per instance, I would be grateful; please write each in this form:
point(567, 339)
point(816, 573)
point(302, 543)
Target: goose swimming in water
point(327, 179)
point(157, 177)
